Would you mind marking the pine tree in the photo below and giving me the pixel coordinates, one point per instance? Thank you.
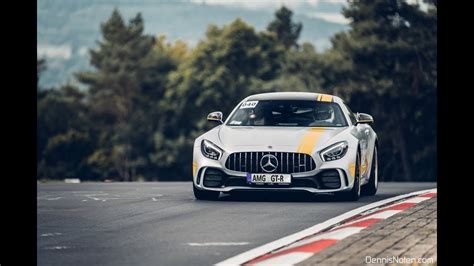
(122, 61)
(287, 32)
(387, 65)
(40, 68)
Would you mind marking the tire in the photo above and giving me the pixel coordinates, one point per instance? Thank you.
(354, 193)
(370, 188)
(204, 194)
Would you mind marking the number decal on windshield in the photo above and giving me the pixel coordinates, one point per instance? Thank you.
(249, 104)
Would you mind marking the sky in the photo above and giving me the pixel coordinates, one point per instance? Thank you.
(326, 10)
(335, 17)
(67, 29)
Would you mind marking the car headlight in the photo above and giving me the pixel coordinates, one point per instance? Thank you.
(334, 152)
(210, 150)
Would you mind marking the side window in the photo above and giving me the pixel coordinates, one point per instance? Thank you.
(351, 114)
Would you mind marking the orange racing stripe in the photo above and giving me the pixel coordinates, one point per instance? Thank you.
(310, 139)
(195, 166)
(352, 167)
(326, 98)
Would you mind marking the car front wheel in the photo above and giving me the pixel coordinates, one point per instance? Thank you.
(371, 187)
(204, 194)
(354, 193)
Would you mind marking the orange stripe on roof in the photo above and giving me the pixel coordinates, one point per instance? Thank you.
(326, 98)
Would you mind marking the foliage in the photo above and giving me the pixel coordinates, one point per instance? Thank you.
(74, 25)
(40, 67)
(130, 74)
(287, 32)
(147, 99)
(390, 72)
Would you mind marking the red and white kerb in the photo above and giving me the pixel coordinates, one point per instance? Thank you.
(310, 245)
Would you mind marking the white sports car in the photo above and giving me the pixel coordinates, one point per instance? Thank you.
(287, 141)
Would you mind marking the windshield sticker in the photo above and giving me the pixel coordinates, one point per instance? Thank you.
(235, 122)
(249, 104)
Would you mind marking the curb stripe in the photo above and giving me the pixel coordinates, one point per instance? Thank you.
(401, 206)
(316, 246)
(417, 199)
(335, 234)
(429, 195)
(341, 232)
(383, 214)
(313, 247)
(363, 223)
(287, 259)
(286, 250)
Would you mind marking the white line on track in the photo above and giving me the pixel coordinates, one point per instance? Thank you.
(56, 248)
(51, 234)
(264, 249)
(54, 198)
(156, 196)
(207, 244)
(87, 191)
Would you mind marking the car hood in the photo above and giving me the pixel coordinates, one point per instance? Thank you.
(285, 137)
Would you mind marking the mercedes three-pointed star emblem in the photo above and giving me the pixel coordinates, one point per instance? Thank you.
(269, 163)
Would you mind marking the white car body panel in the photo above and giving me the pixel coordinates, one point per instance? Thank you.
(233, 139)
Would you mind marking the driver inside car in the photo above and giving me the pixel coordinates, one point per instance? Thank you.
(323, 114)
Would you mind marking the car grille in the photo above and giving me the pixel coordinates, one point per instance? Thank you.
(288, 162)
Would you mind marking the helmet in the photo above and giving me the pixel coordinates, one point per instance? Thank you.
(324, 113)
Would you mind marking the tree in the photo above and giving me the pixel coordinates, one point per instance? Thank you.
(287, 32)
(219, 72)
(122, 62)
(300, 71)
(147, 98)
(40, 67)
(125, 92)
(63, 134)
(386, 65)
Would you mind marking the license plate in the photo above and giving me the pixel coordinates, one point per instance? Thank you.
(269, 178)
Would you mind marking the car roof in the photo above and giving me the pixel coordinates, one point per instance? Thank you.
(288, 96)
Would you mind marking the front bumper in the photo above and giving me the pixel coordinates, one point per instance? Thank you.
(322, 181)
(341, 171)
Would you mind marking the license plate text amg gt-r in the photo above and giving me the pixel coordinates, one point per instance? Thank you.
(287, 141)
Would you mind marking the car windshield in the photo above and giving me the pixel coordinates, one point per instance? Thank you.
(288, 113)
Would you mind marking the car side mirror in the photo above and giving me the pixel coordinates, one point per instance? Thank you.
(215, 116)
(364, 118)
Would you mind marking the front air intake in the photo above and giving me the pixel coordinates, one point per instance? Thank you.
(329, 179)
(213, 177)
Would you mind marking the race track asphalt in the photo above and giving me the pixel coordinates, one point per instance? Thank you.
(161, 223)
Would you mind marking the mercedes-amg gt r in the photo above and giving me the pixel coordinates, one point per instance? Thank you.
(287, 141)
